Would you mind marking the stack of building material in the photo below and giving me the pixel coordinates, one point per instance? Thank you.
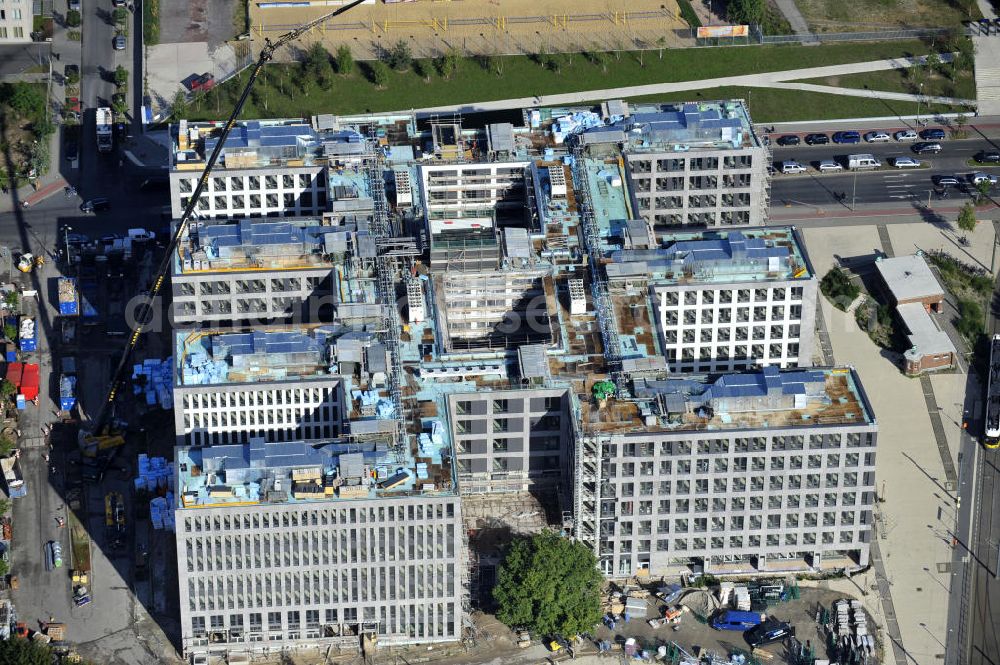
(199, 369)
(568, 125)
(725, 593)
(155, 378)
(155, 473)
(742, 598)
(161, 512)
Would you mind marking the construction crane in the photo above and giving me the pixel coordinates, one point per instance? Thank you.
(100, 429)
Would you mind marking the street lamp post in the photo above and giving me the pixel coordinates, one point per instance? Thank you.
(919, 96)
(69, 259)
(854, 191)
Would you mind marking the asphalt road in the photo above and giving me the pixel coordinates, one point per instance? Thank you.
(883, 186)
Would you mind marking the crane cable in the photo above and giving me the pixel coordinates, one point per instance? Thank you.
(145, 310)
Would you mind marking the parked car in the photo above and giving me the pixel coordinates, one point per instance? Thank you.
(906, 162)
(924, 147)
(791, 166)
(934, 134)
(74, 5)
(119, 42)
(117, 3)
(96, 205)
(905, 135)
(817, 139)
(987, 157)
(977, 178)
(877, 137)
(829, 165)
(946, 180)
(847, 137)
(769, 632)
(72, 150)
(788, 139)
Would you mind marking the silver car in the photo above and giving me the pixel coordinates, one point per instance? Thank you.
(906, 135)
(977, 178)
(906, 163)
(119, 43)
(829, 166)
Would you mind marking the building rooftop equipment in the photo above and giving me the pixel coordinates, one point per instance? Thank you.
(717, 256)
(252, 143)
(291, 472)
(765, 399)
(259, 244)
(909, 278)
(682, 127)
(275, 353)
(923, 333)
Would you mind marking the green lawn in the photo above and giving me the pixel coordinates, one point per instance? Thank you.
(776, 105)
(283, 91)
(894, 80)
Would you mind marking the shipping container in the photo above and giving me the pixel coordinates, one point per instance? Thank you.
(68, 299)
(26, 334)
(30, 381)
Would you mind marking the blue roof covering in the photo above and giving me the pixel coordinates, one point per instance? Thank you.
(760, 384)
(241, 344)
(260, 234)
(252, 134)
(735, 246)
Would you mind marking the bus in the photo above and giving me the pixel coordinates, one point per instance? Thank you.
(991, 428)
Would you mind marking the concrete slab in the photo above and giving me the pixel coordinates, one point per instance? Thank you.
(170, 64)
(917, 513)
(949, 391)
(197, 21)
(908, 238)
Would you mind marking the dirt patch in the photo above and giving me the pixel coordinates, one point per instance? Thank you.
(197, 21)
(872, 15)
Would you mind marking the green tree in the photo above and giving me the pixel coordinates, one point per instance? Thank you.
(661, 43)
(967, 218)
(73, 18)
(933, 62)
(27, 100)
(839, 288)
(7, 388)
(180, 105)
(424, 69)
(120, 15)
(983, 190)
(344, 60)
(10, 331)
(399, 57)
(4, 506)
(6, 448)
(379, 74)
(24, 652)
(550, 585)
(746, 11)
(317, 65)
(447, 64)
(121, 76)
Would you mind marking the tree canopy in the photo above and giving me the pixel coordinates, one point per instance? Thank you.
(746, 11)
(23, 652)
(967, 218)
(550, 585)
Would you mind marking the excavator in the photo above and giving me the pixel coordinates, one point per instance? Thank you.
(104, 431)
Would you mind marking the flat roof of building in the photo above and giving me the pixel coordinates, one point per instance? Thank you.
(219, 245)
(924, 335)
(766, 399)
(294, 472)
(909, 277)
(274, 353)
(714, 257)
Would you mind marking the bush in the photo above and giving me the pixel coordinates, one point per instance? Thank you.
(970, 319)
(839, 288)
(447, 64)
(151, 22)
(399, 57)
(687, 13)
(10, 331)
(73, 18)
(379, 74)
(344, 60)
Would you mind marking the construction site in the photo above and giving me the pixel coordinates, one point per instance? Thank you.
(482, 27)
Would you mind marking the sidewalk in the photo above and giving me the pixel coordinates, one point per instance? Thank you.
(762, 80)
(917, 212)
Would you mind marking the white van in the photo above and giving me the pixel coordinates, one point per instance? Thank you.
(862, 162)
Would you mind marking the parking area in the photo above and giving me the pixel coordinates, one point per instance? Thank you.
(695, 636)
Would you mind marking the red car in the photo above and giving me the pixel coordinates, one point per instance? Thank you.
(204, 82)
(73, 104)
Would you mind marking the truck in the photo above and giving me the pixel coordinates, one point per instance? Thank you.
(69, 300)
(27, 339)
(12, 474)
(104, 129)
(67, 384)
(863, 161)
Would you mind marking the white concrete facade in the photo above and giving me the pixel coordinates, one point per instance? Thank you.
(16, 21)
(727, 327)
(284, 191)
(463, 196)
(208, 415)
(319, 573)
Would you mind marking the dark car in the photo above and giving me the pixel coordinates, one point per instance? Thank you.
(96, 205)
(946, 180)
(788, 139)
(72, 150)
(921, 148)
(932, 134)
(986, 157)
(817, 139)
(768, 632)
(847, 137)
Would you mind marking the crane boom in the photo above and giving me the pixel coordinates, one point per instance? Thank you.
(266, 54)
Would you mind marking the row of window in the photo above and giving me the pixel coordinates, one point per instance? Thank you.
(756, 464)
(739, 444)
(665, 220)
(691, 163)
(774, 483)
(726, 296)
(242, 434)
(505, 405)
(302, 202)
(315, 516)
(196, 401)
(761, 333)
(423, 620)
(701, 545)
(17, 32)
(610, 527)
(536, 444)
(615, 508)
(710, 355)
(737, 200)
(225, 288)
(346, 584)
(242, 183)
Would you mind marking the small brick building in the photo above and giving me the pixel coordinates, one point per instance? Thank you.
(917, 296)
